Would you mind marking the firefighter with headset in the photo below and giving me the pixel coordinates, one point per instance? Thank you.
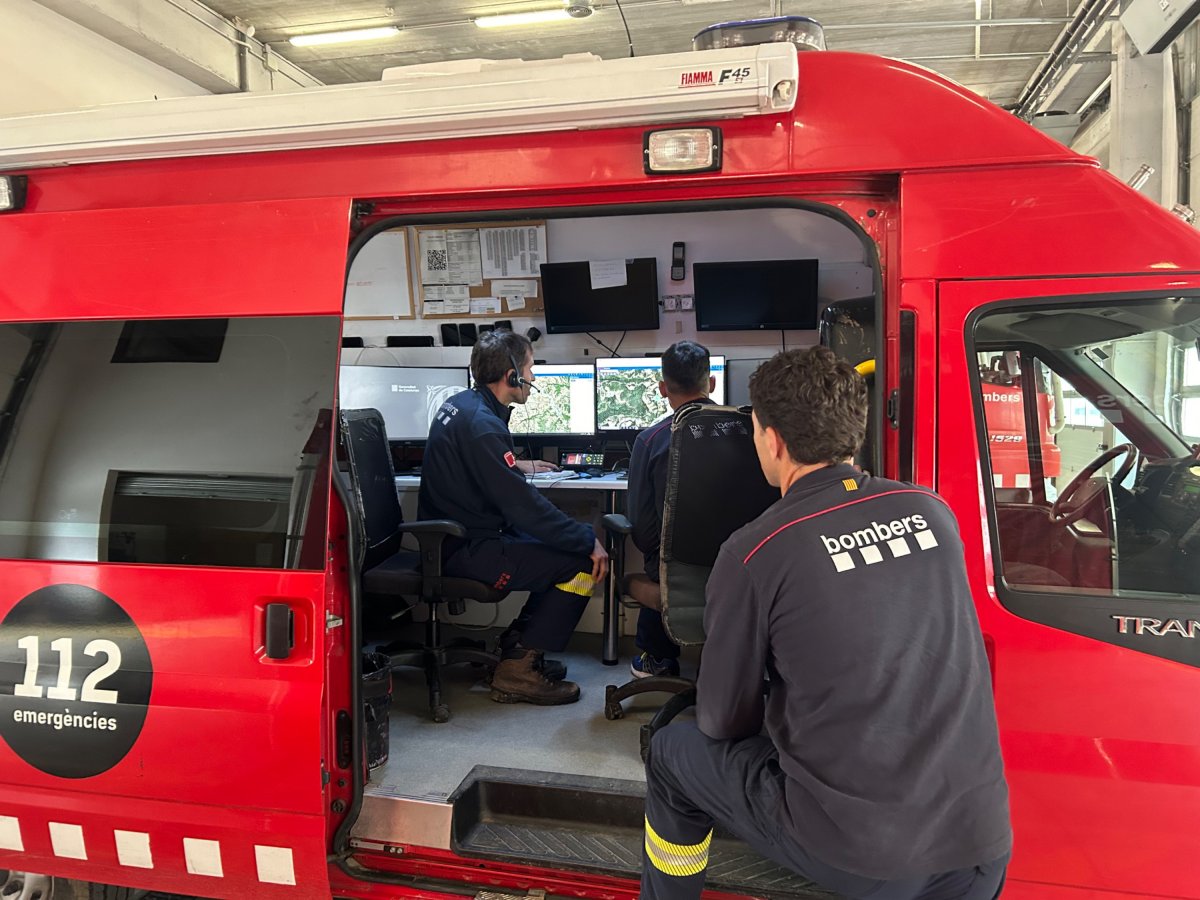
(844, 720)
(516, 539)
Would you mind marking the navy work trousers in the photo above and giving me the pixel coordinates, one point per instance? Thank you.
(559, 584)
(694, 782)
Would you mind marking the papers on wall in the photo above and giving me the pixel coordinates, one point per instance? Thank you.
(450, 256)
(446, 299)
(513, 292)
(484, 305)
(607, 273)
(513, 252)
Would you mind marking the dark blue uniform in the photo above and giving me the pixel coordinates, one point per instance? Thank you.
(647, 491)
(516, 539)
(879, 772)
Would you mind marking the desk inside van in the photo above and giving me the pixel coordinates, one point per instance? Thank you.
(615, 488)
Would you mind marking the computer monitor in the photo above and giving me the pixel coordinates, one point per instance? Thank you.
(755, 295)
(564, 402)
(627, 397)
(574, 304)
(737, 376)
(406, 396)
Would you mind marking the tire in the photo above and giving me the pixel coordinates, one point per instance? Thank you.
(29, 886)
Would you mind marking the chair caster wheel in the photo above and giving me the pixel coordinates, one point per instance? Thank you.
(441, 714)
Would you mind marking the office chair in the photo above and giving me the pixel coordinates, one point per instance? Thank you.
(390, 573)
(714, 487)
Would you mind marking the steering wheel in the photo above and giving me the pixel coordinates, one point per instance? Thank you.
(1065, 509)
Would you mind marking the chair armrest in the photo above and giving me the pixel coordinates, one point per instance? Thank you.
(618, 523)
(431, 534)
(446, 527)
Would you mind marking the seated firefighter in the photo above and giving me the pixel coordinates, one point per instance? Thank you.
(685, 379)
(516, 539)
(878, 773)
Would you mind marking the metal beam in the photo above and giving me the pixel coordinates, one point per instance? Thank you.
(187, 38)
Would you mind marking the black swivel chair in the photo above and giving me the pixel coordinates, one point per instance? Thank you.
(390, 574)
(714, 487)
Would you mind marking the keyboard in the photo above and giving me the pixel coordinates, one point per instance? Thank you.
(544, 477)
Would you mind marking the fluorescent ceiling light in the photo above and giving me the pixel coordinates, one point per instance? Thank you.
(342, 37)
(523, 18)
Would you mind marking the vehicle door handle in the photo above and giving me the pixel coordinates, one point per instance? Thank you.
(280, 635)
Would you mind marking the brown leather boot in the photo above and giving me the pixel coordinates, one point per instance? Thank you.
(521, 680)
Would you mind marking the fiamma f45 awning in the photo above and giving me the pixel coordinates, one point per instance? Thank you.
(524, 97)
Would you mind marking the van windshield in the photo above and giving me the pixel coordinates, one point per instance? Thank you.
(189, 442)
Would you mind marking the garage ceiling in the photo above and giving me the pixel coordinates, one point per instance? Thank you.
(991, 46)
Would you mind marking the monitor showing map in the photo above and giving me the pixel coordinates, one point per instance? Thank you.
(627, 395)
(564, 402)
(406, 396)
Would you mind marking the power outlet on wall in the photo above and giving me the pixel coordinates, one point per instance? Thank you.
(685, 302)
(670, 303)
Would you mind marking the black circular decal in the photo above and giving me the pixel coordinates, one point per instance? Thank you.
(75, 680)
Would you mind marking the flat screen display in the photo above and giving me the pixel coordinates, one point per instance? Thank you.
(406, 396)
(737, 375)
(564, 402)
(755, 295)
(627, 397)
(576, 302)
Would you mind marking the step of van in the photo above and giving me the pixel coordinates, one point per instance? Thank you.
(580, 823)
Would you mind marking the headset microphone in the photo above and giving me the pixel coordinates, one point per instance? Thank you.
(529, 384)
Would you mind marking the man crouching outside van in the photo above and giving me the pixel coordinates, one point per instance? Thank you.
(879, 772)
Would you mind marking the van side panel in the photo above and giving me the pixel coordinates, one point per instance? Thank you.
(184, 261)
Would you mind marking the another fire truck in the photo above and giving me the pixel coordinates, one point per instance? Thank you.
(165, 502)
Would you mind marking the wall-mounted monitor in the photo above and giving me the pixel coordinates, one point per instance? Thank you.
(564, 402)
(576, 303)
(737, 376)
(627, 397)
(756, 295)
(406, 396)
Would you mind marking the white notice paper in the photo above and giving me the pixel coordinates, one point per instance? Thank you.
(434, 308)
(481, 305)
(607, 273)
(454, 298)
(435, 267)
(462, 256)
(513, 292)
(513, 252)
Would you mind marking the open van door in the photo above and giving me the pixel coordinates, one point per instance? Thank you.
(168, 380)
(1085, 532)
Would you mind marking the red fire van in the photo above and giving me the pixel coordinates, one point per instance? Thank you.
(172, 277)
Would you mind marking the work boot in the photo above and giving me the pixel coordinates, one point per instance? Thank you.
(521, 680)
(553, 669)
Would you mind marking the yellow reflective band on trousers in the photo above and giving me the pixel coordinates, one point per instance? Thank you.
(676, 859)
(581, 584)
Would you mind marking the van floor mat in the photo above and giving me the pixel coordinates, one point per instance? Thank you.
(591, 824)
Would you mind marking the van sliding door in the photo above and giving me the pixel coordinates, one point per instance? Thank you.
(165, 444)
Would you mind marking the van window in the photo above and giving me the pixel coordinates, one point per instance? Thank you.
(219, 460)
(1095, 488)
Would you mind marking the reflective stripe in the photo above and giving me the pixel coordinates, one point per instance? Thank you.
(581, 584)
(676, 859)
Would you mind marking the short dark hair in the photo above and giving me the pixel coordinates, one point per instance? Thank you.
(495, 352)
(815, 400)
(685, 367)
